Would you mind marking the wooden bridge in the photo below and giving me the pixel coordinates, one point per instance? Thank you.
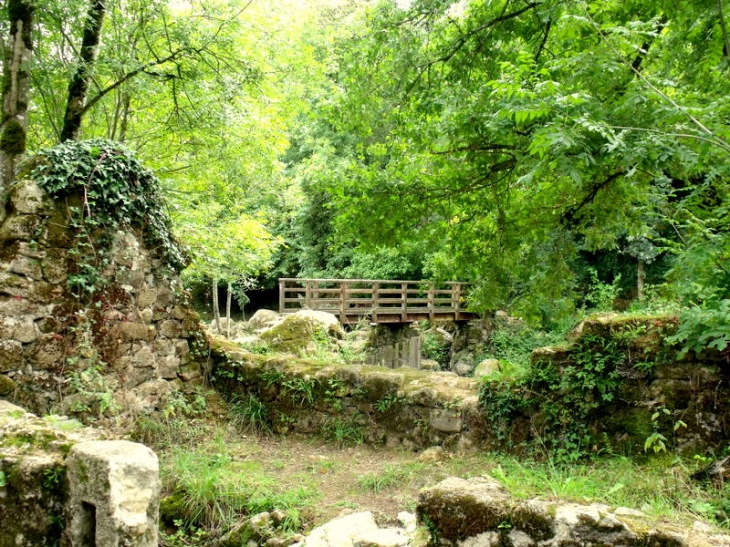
(377, 301)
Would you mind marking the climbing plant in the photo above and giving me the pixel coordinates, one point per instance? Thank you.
(562, 402)
(106, 188)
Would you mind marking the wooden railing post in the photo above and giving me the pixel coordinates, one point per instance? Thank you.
(404, 302)
(308, 295)
(431, 296)
(343, 297)
(456, 297)
(376, 303)
(282, 292)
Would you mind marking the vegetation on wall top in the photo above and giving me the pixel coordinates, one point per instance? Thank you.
(116, 191)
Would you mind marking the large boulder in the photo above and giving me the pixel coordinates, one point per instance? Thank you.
(263, 319)
(300, 332)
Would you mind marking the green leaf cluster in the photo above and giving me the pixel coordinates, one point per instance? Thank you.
(112, 189)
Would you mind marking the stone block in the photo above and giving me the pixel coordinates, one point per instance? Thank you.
(48, 351)
(135, 331)
(53, 267)
(146, 298)
(146, 315)
(114, 490)
(133, 278)
(168, 367)
(449, 421)
(20, 228)
(11, 355)
(165, 297)
(189, 372)
(171, 328)
(7, 385)
(27, 198)
(26, 331)
(29, 267)
(31, 250)
(182, 350)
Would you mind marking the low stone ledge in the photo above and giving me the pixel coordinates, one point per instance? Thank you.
(58, 477)
(479, 512)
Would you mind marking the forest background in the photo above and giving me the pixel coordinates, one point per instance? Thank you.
(550, 152)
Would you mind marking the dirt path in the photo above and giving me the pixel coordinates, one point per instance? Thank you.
(363, 478)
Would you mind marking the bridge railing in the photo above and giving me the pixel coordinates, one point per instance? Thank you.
(381, 301)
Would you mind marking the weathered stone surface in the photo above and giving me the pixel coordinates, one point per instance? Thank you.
(475, 512)
(11, 355)
(460, 508)
(462, 363)
(135, 331)
(53, 267)
(168, 366)
(146, 298)
(190, 372)
(487, 368)
(182, 351)
(19, 228)
(171, 328)
(165, 297)
(446, 420)
(383, 537)
(48, 352)
(29, 267)
(25, 331)
(342, 531)
(28, 199)
(263, 319)
(114, 494)
(7, 385)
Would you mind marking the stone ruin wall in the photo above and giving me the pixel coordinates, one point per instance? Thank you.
(122, 349)
(65, 484)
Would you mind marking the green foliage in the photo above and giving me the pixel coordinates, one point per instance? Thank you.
(3, 479)
(392, 476)
(301, 390)
(703, 328)
(386, 403)
(113, 190)
(343, 431)
(564, 402)
(512, 342)
(251, 414)
(601, 296)
(53, 477)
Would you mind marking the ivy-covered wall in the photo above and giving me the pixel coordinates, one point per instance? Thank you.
(93, 318)
(620, 385)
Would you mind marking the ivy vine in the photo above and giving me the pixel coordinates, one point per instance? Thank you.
(108, 189)
(562, 406)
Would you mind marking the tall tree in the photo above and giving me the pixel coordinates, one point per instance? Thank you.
(78, 88)
(16, 87)
(513, 135)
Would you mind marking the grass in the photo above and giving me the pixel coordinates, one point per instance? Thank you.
(213, 476)
(392, 476)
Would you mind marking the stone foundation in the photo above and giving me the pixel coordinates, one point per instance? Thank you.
(62, 484)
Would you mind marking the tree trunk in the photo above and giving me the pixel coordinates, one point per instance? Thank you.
(216, 309)
(640, 280)
(229, 295)
(78, 89)
(16, 88)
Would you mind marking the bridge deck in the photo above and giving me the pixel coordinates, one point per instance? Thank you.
(377, 301)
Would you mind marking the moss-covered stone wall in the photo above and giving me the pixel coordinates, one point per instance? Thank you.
(115, 340)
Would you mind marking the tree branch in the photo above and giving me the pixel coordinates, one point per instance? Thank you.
(129, 75)
(572, 212)
(462, 40)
